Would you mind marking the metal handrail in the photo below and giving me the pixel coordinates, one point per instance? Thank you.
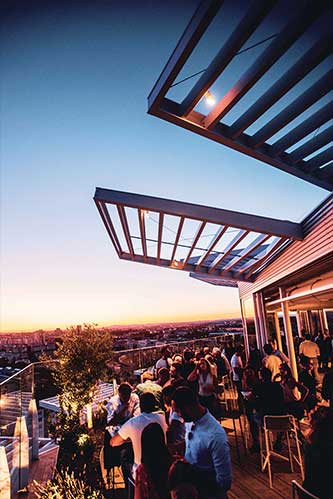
(16, 374)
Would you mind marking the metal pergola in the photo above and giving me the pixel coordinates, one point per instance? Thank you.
(297, 137)
(215, 245)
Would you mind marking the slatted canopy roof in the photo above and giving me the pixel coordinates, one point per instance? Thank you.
(215, 245)
(270, 69)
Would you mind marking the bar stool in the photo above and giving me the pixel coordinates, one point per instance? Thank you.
(109, 474)
(279, 424)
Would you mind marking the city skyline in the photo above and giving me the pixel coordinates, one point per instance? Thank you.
(75, 82)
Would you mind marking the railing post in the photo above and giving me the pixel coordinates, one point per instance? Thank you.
(21, 451)
(33, 413)
(4, 475)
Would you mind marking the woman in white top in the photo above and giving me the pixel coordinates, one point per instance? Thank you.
(207, 385)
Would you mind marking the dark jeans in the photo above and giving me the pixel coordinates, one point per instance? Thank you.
(121, 455)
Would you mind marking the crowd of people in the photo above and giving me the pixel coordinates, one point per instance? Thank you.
(166, 432)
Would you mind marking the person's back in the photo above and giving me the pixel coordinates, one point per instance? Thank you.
(268, 397)
(133, 428)
(270, 361)
(309, 348)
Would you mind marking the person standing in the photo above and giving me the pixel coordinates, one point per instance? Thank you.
(311, 350)
(165, 360)
(206, 445)
(270, 361)
(133, 428)
(237, 368)
(120, 408)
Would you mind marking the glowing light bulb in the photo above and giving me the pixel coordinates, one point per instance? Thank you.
(146, 213)
(175, 264)
(210, 99)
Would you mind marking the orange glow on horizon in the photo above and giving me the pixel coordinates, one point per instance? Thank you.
(135, 320)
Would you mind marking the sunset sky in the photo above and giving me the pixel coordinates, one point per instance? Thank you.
(75, 81)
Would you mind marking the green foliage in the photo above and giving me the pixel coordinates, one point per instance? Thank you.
(66, 486)
(82, 362)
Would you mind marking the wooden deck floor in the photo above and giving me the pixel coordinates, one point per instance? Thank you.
(41, 470)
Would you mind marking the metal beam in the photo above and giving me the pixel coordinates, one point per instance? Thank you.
(312, 145)
(192, 34)
(319, 160)
(272, 249)
(195, 240)
(258, 241)
(259, 256)
(310, 60)
(294, 29)
(188, 268)
(244, 29)
(205, 213)
(298, 106)
(123, 220)
(105, 216)
(179, 230)
(141, 217)
(227, 250)
(323, 115)
(215, 281)
(216, 238)
(159, 237)
(326, 172)
(265, 153)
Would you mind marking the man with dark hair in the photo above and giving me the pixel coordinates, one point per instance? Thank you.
(270, 361)
(206, 445)
(134, 427)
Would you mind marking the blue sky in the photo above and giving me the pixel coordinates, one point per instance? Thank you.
(75, 79)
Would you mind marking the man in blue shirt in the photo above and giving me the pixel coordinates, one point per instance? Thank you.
(206, 445)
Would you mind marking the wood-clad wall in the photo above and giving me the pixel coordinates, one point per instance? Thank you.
(317, 242)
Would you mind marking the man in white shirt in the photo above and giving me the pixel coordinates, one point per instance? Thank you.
(311, 350)
(122, 407)
(134, 427)
(272, 362)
